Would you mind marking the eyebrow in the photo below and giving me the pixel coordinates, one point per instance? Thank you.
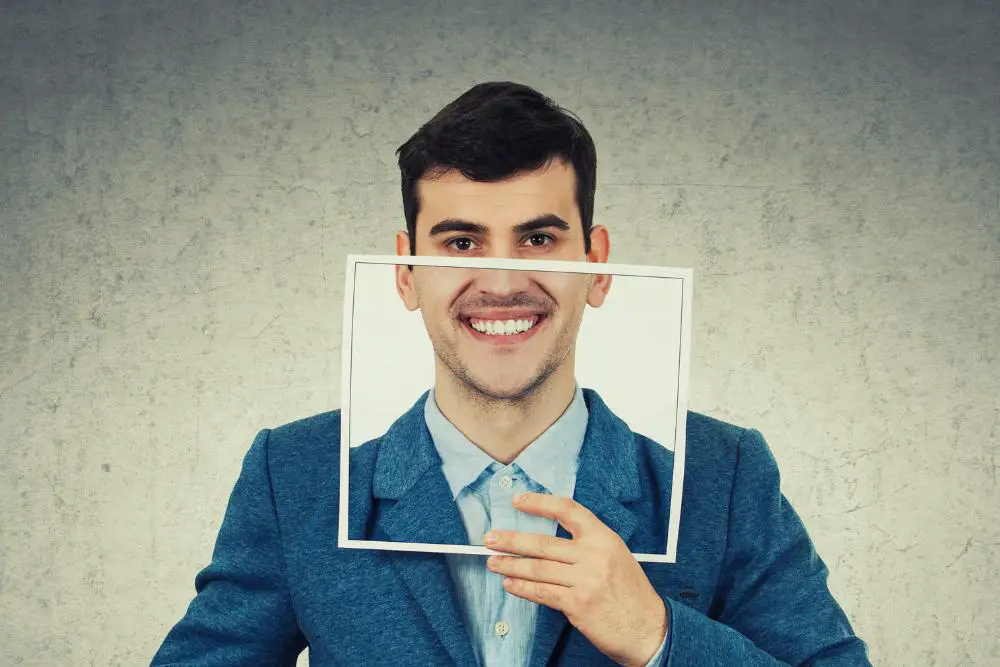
(547, 221)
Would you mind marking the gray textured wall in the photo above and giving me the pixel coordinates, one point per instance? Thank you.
(180, 182)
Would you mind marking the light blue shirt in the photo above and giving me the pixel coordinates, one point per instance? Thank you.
(501, 625)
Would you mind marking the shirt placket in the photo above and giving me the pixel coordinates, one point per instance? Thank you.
(503, 486)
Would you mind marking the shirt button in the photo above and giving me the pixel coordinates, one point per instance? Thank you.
(502, 628)
(505, 482)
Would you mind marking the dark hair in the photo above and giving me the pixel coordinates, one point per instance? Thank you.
(494, 131)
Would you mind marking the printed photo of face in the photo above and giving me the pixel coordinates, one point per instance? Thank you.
(499, 328)
(502, 334)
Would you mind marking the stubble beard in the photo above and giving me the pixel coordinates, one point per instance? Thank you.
(478, 390)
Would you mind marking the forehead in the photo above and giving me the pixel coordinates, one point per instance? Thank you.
(551, 189)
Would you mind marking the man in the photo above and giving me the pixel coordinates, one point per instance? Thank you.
(504, 172)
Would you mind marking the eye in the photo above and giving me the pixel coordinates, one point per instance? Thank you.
(538, 240)
(461, 244)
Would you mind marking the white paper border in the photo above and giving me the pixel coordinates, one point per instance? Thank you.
(680, 430)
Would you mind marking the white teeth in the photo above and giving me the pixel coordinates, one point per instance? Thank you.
(502, 327)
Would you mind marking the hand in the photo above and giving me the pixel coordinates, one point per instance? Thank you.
(593, 579)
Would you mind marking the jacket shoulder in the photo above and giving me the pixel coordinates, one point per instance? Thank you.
(306, 453)
(321, 424)
(716, 440)
(712, 443)
(701, 427)
(303, 457)
(712, 455)
(733, 446)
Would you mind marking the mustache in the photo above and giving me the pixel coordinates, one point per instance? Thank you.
(519, 300)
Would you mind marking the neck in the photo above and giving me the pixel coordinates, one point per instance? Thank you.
(503, 428)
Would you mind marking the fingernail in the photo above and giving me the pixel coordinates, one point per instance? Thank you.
(520, 498)
(490, 538)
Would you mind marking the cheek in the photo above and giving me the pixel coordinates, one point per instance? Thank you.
(570, 291)
(434, 300)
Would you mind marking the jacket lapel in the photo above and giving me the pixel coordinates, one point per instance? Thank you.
(607, 479)
(414, 504)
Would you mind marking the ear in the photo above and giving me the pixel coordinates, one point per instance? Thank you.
(600, 250)
(404, 274)
(402, 243)
(600, 244)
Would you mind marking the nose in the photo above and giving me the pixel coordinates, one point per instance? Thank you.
(502, 282)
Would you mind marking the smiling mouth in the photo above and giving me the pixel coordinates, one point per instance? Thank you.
(503, 329)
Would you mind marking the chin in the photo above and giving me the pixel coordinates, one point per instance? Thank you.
(506, 388)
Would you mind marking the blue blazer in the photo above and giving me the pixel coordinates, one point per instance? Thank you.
(747, 589)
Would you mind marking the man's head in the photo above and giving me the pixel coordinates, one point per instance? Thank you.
(488, 134)
(501, 172)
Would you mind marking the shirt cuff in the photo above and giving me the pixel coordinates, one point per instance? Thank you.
(658, 656)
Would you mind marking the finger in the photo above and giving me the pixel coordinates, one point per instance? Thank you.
(534, 545)
(571, 515)
(532, 569)
(549, 595)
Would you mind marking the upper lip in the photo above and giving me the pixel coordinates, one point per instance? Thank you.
(503, 315)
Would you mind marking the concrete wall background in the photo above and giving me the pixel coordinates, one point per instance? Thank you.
(180, 182)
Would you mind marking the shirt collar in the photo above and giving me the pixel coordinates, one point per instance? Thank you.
(551, 460)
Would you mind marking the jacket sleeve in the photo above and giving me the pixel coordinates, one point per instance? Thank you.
(242, 612)
(773, 605)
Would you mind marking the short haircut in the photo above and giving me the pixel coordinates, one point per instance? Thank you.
(492, 132)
